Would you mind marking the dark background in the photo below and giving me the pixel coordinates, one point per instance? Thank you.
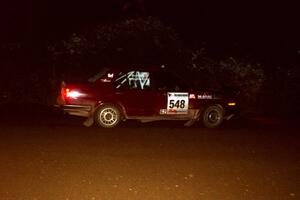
(263, 30)
(261, 33)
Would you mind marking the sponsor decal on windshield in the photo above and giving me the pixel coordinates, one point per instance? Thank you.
(135, 79)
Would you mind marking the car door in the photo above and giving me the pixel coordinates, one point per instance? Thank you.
(172, 97)
(134, 92)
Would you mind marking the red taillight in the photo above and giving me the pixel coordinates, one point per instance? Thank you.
(68, 93)
(65, 93)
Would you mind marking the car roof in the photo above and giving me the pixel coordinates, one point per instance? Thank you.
(138, 68)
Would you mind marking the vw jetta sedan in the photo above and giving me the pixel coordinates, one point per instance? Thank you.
(115, 95)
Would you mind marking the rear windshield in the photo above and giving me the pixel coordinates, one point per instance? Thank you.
(98, 75)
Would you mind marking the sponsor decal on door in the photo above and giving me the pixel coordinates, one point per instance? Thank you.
(178, 103)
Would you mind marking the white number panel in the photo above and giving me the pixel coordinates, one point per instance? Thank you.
(178, 103)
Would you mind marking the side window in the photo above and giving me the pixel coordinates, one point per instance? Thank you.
(166, 82)
(133, 80)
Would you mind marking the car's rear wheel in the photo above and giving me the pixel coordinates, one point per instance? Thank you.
(107, 116)
(212, 116)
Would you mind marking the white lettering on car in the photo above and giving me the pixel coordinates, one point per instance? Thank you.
(204, 96)
(135, 79)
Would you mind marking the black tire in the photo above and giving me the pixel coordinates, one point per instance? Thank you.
(212, 116)
(107, 116)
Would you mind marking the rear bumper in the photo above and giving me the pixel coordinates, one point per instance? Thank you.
(78, 110)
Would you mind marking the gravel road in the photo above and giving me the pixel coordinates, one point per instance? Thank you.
(50, 156)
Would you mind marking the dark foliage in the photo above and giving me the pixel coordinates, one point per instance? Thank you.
(139, 41)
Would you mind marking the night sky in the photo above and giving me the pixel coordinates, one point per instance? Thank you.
(245, 28)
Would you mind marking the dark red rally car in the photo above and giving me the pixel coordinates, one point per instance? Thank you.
(114, 95)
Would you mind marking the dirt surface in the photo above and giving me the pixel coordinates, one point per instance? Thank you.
(46, 155)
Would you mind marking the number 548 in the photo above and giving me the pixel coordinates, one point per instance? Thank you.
(177, 104)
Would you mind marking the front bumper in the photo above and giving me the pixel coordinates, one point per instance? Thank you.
(231, 111)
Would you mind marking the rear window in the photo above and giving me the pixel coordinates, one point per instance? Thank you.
(98, 75)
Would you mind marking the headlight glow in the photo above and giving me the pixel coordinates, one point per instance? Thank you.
(231, 104)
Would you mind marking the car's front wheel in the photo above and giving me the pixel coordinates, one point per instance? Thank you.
(212, 116)
(107, 116)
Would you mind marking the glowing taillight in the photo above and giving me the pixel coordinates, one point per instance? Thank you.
(73, 94)
(64, 92)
